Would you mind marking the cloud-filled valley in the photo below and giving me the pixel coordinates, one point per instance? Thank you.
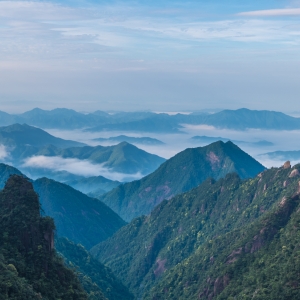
(75, 166)
(174, 143)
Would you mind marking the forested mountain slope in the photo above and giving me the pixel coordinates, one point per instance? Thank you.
(78, 217)
(180, 173)
(146, 251)
(258, 261)
(30, 267)
(93, 275)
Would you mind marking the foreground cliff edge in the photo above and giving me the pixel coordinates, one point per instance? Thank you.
(29, 265)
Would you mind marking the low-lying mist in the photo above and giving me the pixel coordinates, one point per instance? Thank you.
(75, 166)
(174, 143)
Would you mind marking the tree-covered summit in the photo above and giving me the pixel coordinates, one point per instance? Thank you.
(179, 174)
(30, 267)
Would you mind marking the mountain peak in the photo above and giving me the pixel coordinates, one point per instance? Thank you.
(180, 173)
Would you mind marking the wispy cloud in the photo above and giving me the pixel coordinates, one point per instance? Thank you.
(156, 53)
(272, 12)
(44, 30)
(3, 152)
(76, 166)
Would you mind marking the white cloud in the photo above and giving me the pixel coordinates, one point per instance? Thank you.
(3, 152)
(32, 30)
(272, 12)
(76, 166)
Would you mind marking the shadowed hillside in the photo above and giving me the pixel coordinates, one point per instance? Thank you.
(30, 267)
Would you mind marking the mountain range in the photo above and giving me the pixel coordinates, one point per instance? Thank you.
(131, 140)
(240, 119)
(210, 139)
(23, 142)
(93, 186)
(224, 239)
(123, 157)
(209, 223)
(181, 173)
(78, 217)
(34, 265)
(283, 155)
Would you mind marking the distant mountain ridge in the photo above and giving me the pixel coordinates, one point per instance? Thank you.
(283, 155)
(21, 142)
(123, 157)
(131, 140)
(93, 186)
(211, 139)
(182, 172)
(26, 135)
(240, 119)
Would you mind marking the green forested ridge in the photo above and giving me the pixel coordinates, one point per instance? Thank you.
(258, 261)
(176, 239)
(78, 217)
(30, 267)
(181, 173)
(93, 275)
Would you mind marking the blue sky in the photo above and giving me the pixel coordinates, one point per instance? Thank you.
(157, 55)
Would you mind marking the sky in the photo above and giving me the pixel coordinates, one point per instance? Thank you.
(150, 55)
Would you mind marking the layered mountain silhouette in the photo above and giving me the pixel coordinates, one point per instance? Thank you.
(224, 239)
(18, 135)
(240, 119)
(93, 186)
(123, 158)
(210, 139)
(22, 142)
(78, 217)
(131, 140)
(181, 173)
(283, 155)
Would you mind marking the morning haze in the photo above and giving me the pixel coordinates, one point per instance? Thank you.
(136, 56)
(149, 150)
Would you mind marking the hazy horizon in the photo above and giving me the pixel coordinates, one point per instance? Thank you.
(138, 55)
